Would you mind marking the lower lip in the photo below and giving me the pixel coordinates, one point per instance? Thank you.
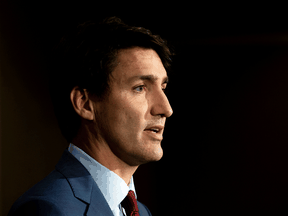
(157, 136)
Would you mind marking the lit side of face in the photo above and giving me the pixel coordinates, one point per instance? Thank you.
(131, 119)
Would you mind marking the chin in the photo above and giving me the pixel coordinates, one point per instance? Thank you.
(152, 154)
(143, 152)
(158, 154)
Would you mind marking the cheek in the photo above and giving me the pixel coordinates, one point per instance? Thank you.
(127, 115)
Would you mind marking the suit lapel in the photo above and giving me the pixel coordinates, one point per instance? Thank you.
(83, 185)
(143, 211)
(98, 206)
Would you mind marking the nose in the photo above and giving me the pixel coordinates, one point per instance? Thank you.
(161, 105)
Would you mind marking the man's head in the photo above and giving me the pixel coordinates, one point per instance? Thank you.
(110, 84)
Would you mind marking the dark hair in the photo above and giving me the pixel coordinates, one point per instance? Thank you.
(86, 56)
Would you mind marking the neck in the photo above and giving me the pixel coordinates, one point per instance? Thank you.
(103, 154)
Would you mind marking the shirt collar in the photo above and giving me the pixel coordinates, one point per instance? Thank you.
(110, 184)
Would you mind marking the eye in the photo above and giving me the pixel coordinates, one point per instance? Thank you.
(164, 88)
(139, 88)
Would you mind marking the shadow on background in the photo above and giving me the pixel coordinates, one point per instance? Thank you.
(225, 147)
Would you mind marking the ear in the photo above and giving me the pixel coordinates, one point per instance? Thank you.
(81, 103)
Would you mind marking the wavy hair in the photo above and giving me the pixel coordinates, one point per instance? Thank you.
(86, 56)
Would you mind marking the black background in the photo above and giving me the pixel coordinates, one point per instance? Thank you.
(225, 147)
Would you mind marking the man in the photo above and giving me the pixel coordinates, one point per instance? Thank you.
(108, 93)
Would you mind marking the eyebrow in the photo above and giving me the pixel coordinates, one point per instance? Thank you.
(151, 78)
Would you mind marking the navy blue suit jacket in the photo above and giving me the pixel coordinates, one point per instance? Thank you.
(68, 190)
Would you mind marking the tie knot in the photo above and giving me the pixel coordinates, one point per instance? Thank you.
(130, 204)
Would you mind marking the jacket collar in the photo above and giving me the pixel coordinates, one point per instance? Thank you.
(83, 185)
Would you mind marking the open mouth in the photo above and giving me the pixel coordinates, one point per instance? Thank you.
(154, 130)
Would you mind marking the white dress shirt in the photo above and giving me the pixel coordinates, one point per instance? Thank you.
(113, 187)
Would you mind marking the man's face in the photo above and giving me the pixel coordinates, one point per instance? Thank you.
(131, 119)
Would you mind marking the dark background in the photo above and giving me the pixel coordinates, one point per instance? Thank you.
(225, 147)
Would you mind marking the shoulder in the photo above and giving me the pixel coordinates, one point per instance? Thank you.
(37, 206)
(53, 187)
(143, 210)
(51, 196)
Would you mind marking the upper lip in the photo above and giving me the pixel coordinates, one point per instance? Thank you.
(157, 127)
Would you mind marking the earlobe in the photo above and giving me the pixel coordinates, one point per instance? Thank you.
(81, 103)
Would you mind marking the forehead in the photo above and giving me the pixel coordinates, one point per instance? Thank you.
(138, 62)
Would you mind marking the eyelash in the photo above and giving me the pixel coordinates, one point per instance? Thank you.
(144, 87)
(141, 86)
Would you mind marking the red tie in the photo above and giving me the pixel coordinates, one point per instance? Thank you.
(130, 204)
